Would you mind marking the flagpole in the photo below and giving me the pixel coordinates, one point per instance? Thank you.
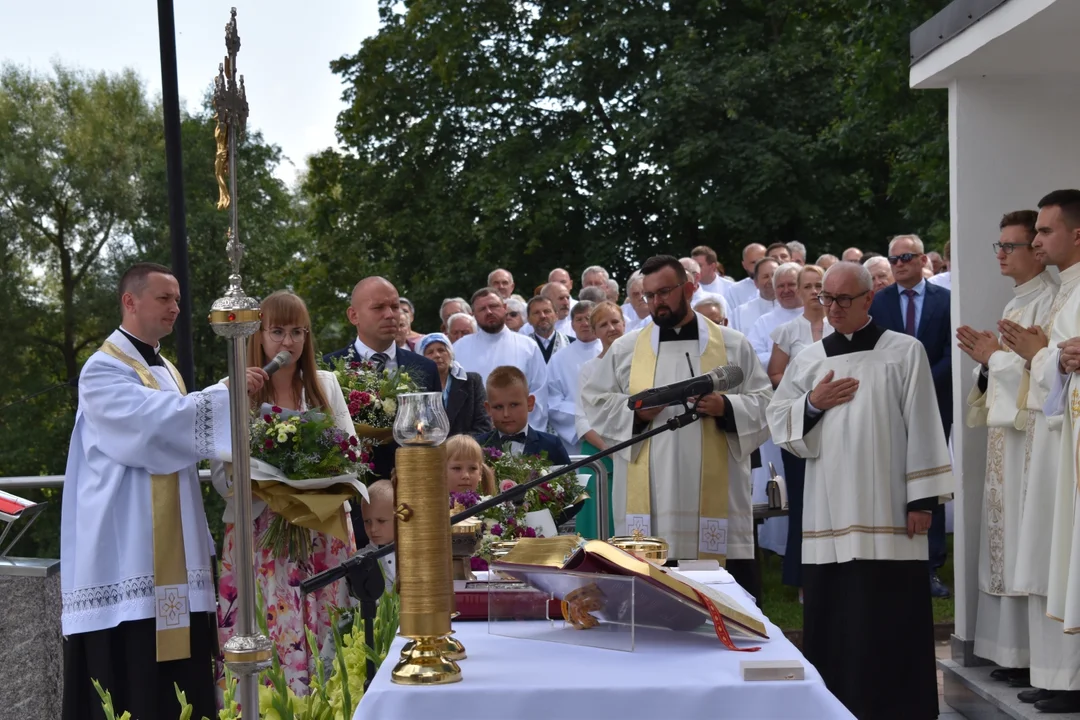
(235, 317)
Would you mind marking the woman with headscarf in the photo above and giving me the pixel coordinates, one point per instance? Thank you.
(463, 392)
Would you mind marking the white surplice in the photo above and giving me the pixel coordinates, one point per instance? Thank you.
(719, 286)
(745, 315)
(124, 433)
(1001, 624)
(1055, 656)
(564, 372)
(481, 352)
(760, 333)
(866, 459)
(676, 457)
(741, 292)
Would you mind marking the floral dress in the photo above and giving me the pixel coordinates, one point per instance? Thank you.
(288, 610)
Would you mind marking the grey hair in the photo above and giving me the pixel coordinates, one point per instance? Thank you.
(786, 268)
(592, 294)
(797, 247)
(637, 277)
(913, 238)
(447, 301)
(594, 269)
(876, 260)
(711, 302)
(613, 284)
(517, 306)
(861, 274)
(826, 257)
(690, 265)
(492, 274)
(471, 320)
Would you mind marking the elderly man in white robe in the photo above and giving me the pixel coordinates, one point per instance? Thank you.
(1001, 623)
(743, 317)
(137, 589)
(689, 486)
(1049, 496)
(564, 372)
(859, 405)
(635, 311)
(495, 344)
(785, 282)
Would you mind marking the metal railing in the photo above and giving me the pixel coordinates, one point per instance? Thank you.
(32, 482)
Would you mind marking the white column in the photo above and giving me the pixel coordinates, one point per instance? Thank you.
(1011, 141)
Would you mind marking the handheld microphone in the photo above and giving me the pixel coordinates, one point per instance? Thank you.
(280, 360)
(726, 377)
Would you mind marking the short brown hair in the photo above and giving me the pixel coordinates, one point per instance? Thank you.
(484, 292)
(1024, 218)
(134, 278)
(538, 299)
(708, 252)
(658, 262)
(777, 245)
(506, 376)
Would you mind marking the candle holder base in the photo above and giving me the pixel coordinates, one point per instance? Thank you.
(425, 665)
(451, 648)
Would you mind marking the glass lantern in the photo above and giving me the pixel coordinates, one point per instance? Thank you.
(421, 419)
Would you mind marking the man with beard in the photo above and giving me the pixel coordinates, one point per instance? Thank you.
(690, 486)
(495, 345)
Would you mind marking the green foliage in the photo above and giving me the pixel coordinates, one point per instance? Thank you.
(533, 135)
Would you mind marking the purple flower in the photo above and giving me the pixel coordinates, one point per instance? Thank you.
(493, 452)
(529, 532)
(497, 529)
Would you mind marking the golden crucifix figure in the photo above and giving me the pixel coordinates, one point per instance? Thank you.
(221, 163)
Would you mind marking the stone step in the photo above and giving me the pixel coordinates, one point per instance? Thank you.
(970, 692)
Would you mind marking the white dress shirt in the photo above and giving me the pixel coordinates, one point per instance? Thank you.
(365, 353)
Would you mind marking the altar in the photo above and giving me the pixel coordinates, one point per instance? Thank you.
(685, 675)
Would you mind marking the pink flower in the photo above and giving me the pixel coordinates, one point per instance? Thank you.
(365, 398)
(529, 532)
(275, 409)
(352, 456)
(353, 441)
(506, 485)
(268, 443)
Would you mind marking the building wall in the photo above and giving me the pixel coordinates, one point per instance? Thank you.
(1011, 141)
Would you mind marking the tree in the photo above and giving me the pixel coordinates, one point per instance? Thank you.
(531, 135)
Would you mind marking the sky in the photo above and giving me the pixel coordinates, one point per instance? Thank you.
(286, 47)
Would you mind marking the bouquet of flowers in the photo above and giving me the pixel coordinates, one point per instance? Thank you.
(372, 395)
(305, 469)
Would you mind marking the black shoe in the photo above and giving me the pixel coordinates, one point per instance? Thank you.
(938, 589)
(1062, 702)
(1006, 674)
(1035, 695)
(1019, 681)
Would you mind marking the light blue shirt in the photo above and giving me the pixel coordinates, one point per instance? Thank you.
(920, 298)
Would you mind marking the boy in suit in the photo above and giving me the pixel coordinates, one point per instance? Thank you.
(509, 404)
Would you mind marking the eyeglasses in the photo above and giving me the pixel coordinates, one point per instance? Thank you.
(277, 334)
(660, 294)
(844, 301)
(1008, 248)
(905, 257)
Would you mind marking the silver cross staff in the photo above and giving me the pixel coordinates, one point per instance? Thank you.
(236, 316)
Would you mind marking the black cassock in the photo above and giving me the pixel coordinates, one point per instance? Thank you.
(123, 660)
(869, 624)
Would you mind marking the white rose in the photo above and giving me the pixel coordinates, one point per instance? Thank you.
(282, 437)
(389, 407)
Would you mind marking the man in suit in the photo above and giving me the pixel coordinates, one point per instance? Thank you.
(374, 311)
(509, 404)
(918, 308)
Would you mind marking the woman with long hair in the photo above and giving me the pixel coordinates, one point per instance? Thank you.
(298, 386)
(789, 340)
(606, 320)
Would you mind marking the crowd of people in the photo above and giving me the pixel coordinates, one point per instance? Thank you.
(846, 392)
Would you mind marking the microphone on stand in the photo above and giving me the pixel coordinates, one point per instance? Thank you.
(280, 360)
(726, 377)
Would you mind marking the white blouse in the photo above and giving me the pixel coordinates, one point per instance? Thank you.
(795, 336)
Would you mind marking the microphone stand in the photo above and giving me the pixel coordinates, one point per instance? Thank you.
(360, 569)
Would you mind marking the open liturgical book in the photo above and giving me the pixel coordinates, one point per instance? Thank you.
(669, 601)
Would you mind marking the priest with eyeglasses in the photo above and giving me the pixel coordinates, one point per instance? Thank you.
(690, 486)
(859, 405)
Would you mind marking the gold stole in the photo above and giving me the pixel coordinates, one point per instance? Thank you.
(713, 495)
(173, 613)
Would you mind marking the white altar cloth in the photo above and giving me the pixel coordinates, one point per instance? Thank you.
(669, 675)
